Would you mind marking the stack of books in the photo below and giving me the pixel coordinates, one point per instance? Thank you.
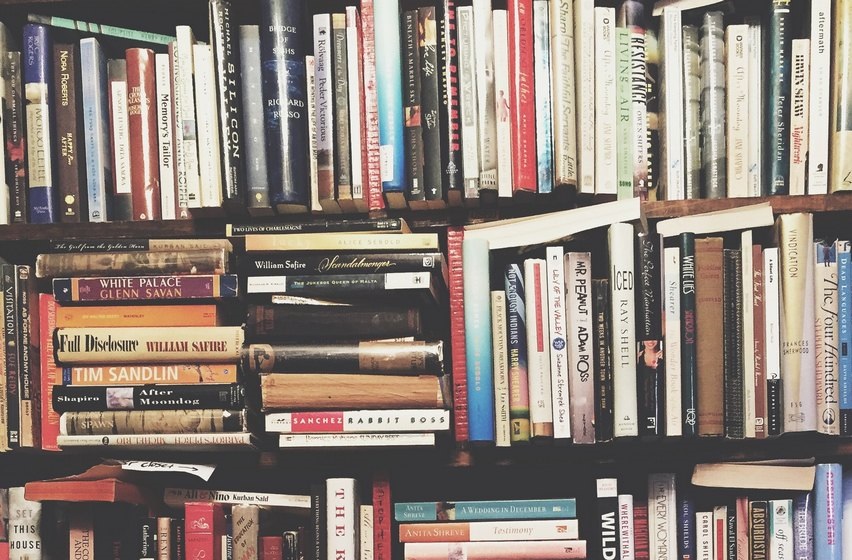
(339, 328)
(136, 367)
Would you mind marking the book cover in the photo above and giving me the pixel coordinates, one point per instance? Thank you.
(519, 396)
(204, 526)
(538, 354)
(563, 93)
(70, 166)
(342, 506)
(430, 91)
(580, 337)
(623, 313)
(606, 110)
(25, 539)
(130, 422)
(14, 128)
(99, 178)
(800, 80)
(122, 198)
(713, 117)
(486, 102)
(819, 95)
(142, 131)
(709, 343)
(358, 421)
(779, 45)
(257, 182)
(493, 510)
(543, 105)
(522, 95)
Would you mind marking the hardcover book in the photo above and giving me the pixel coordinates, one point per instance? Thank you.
(257, 180)
(70, 168)
(14, 128)
(122, 198)
(201, 261)
(486, 510)
(141, 288)
(175, 421)
(99, 179)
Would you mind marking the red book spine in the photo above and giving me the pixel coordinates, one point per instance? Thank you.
(204, 526)
(368, 172)
(760, 411)
(271, 548)
(455, 235)
(4, 551)
(142, 125)
(373, 184)
(522, 95)
(382, 515)
(641, 550)
(50, 374)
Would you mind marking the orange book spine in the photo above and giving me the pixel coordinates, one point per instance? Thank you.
(142, 374)
(138, 316)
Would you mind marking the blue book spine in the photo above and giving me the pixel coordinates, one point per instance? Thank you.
(779, 49)
(93, 67)
(477, 334)
(255, 143)
(844, 312)
(828, 521)
(389, 92)
(38, 86)
(543, 117)
(486, 510)
(686, 529)
(803, 526)
(285, 102)
(66, 376)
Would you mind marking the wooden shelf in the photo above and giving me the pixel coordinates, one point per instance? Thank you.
(840, 202)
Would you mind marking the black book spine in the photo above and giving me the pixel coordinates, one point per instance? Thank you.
(282, 54)
(733, 335)
(11, 333)
(316, 550)
(413, 133)
(429, 104)
(226, 54)
(608, 519)
(292, 545)
(450, 124)
(318, 262)
(779, 47)
(69, 131)
(146, 538)
(14, 123)
(257, 179)
(177, 539)
(731, 529)
(650, 368)
(688, 355)
(758, 530)
(388, 225)
(270, 323)
(343, 157)
(604, 419)
(147, 397)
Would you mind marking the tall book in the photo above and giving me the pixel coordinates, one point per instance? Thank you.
(652, 110)
(623, 306)
(12, 341)
(522, 95)
(372, 158)
(756, 97)
(99, 179)
(41, 135)
(626, 547)
(759, 345)
(803, 522)
(541, 404)
(343, 152)
(557, 340)
(502, 436)
(165, 146)
(477, 320)
(674, 342)
(607, 517)
(825, 338)
(29, 355)
(662, 497)
(342, 506)
(357, 129)
(672, 104)
(584, 72)
(382, 517)
(519, 397)
(282, 55)
(257, 181)
(749, 358)
(142, 129)
(311, 87)
(828, 511)
(650, 365)
(485, 93)
(5, 181)
(563, 94)
(772, 340)
(430, 90)
(14, 130)
(122, 200)
(800, 54)
(207, 126)
(732, 333)
(412, 107)
(543, 104)
(185, 127)
(580, 337)
(70, 165)
(455, 235)
(737, 90)
(713, 152)
(709, 340)
(840, 125)
(467, 104)
(819, 96)
(779, 45)
(603, 360)
(606, 178)
(451, 149)
(634, 16)
(691, 113)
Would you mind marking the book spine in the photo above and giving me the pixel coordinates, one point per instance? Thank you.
(134, 288)
(819, 94)
(122, 199)
(203, 528)
(467, 103)
(252, 106)
(686, 529)
(503, 129)
(430, 102)
(146, 538)
(713, 151)
(343, 159)
(96, 28)
(652, 96)
(825, 339)
(501, 369)
(738, 69)
(607, 518)
(357, 421)
(451, 146)
(315, 549)
(342, 505)
(475, 531)
(649, 335)
(543, 113)
(557, 341)
(704, 533)
(772, 332)
(37, 74)
(226, 53)
(245, 520)
(12, 337)
(844, 343)
(688, 350)
(803, 525)
(563, 93)
(541, 404)
(483, 30)
(341, 263)
(781, 528)
(276, 323)
(519, 396)
(96, 125)
(674, 342)
(142, 129)
(148, 345)
(148, 441)
(357, 131)
(626, 549)
(146, 397)
(389, 94)
(186, 126)
(621, 277)
(606, 168)
(584, 58)
(29, 371)
(365, 532)
(165, 145)
(497, 550)
(799, 111)
(477, 320)
(207, 126)
(756, 96)
(200, 261)
(732, 326)
(644, 94)
(343, 283)
(709, 329)
(759, 346)
(488, 510)
(521, 95)
(692, 113)
(25, 538)
(382, 518)
(661, 496)
(5, 400)
(749, 369)
(672, 105)
(164, 538)
(14, 126)
(604, 418)
(69, 120)
(457, 333)
(182, 374)
(372, 158)
(580, 336)
(640, 531)
(412, 107)
(271, 548)
(283, 71)
(624, 132)
(778, 96)
(50, 375)
(759, 536)
(331, 241)
(189, 315)
(311, 86)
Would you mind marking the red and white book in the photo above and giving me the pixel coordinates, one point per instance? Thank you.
(578, 294)
(476, 531)
(204, 527)
(342, 511)
(358, 421)
(142, 130)
(507, 550)
(720, 533)
(382, 516)
(455, 235)
(558, 342)
(538, 353)
(51, 374)
(522, 96)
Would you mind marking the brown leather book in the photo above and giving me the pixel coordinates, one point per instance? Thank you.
(142, 126)
(710, 343)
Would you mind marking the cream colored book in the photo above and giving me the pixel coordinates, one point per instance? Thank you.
(499, 348)
(341, 242)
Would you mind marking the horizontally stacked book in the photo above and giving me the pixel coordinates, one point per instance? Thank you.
(342, 329)
(145, 362)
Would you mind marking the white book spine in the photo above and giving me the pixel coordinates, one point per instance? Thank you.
(483, 32)
(772, 314)
(209, 162)
(737, 68)
(356, 108)
(467, 101)
(501, 103)
(826, 339)
(578, 287)
(584, 55)
(187, 153)
(324, 102)
(120, 132)
(342, 518)
(358, 421)
(755, 108)
(625, 527)
(747, 274)
(606, 178)
(177, 498)
(164, 136)
(704, 535)
(298, 441)
(820, 88)
(799, 114)
(671, 98)
(781, 530)
(152, 441)
(25, 542)
(500, 360)
(662, 516)
(671, 335)
(538, 355)
(365, 532)
(311, 83)
(623, 308)
(563, 102)
(558, 337)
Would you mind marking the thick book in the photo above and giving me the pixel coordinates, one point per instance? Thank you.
(184, 315)
(342, 504)
(506, 550)
(278, 323)
(331, 263)
(165, 147)
(662, 498)
(147, 397)
(379, 357)
(141, 374)
(455, 236)
(475, 531)
(828, 511)
(779, 46)
(147, 345)
(543, 102)
(493, 510)
(142, 130)
(326, 117)
(204, 526)
(178, 497)
(358, 421)
(14, 129)
(122, 199)
(141, 288)
(623, 305)
(645, 95)
(579, 298)
(172, 421)
(709, 339)
(650, 363)
(713, 117)
(199, 261)
(245, 523)
(519, 396)
(257, 181)
(603, 384)
(93, 65)
(70, 162)
(538, 353)
(228, 441)
(24, 523)
(477, 324)
(414, 119)
(341, 392)
(521, 95)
